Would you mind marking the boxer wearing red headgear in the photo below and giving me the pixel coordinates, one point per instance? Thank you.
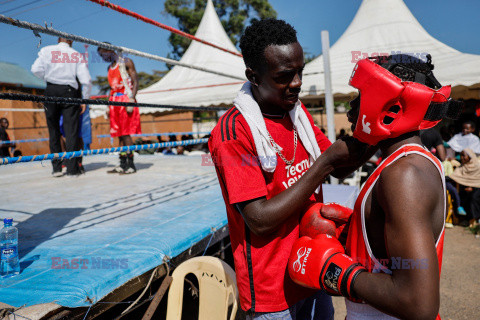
(391, 265)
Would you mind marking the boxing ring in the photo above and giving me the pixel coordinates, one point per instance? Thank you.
(82, 238)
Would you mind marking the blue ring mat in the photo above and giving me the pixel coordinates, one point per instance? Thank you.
(81, 238)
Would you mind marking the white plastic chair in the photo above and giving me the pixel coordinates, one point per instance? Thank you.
(217, 288)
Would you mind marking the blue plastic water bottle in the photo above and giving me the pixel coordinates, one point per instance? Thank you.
(9, 265)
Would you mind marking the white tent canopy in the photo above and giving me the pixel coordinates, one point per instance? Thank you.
(189, 87)
(386, 27)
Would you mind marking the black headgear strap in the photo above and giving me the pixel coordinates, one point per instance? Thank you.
(399, 65)
(450, 109)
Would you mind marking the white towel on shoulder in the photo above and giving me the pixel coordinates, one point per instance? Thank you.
(250, 110)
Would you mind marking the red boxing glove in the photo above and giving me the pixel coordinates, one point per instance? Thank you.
(338, 213)
(328, 218)
(321, 263)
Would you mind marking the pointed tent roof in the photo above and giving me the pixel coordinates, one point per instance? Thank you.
(189, 87)
(386, 26)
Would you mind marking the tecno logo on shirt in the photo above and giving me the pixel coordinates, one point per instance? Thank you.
(295, 172)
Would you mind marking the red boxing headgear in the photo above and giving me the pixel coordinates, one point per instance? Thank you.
(390, 107)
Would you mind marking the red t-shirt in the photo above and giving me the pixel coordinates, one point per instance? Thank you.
(260, 262)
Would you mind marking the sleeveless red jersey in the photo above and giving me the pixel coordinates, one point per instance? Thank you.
(358, 246)
(115, 80)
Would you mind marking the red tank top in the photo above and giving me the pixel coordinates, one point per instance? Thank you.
(115, 80)
(358, 246)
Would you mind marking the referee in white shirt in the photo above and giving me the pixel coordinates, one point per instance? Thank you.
(60, 66)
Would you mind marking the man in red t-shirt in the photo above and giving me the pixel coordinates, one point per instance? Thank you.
(264, 207)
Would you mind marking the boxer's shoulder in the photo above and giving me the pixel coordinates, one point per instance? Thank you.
(413, 178)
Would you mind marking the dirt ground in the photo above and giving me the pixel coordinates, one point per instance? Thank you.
(460, 281)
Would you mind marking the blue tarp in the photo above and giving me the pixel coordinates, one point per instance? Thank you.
(75, 254)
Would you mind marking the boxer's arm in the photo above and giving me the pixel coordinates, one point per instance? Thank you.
(441, 152)
(38, 67)
(408, 197)
(265, 216)
(132, 72)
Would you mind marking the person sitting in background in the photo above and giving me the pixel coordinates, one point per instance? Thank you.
(160, 140)
(172, 137)
(180, 150)
(468, 177)
(169, 150)
(139, 142)
(342, 133)
(445, 133)
(452, 190)
(465, 139)
(433, 141)
(187, 137)
(5, 144)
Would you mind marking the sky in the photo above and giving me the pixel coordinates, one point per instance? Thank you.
(455, 23)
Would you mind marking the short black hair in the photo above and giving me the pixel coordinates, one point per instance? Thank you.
(100, 48)
(410, 68)
(261, 34)
(471, 123)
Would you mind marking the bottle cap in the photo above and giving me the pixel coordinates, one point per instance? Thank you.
(8, 220)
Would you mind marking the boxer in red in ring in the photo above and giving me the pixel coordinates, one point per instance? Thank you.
(124, 121)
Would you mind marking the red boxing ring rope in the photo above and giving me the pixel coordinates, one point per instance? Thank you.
(158, 24)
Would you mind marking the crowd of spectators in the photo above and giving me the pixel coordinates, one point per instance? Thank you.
(459, 154)
(201, 148)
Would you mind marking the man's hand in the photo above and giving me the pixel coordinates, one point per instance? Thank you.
(130, 109)
(346, 151)
(265, 216)
(348, 154)
(321, 263)
(83, 107)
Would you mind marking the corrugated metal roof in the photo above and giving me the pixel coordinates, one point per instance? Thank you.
(14, 74)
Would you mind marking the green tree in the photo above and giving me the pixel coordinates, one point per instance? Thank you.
(102, 84)
(234, 14)
(144, 80)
